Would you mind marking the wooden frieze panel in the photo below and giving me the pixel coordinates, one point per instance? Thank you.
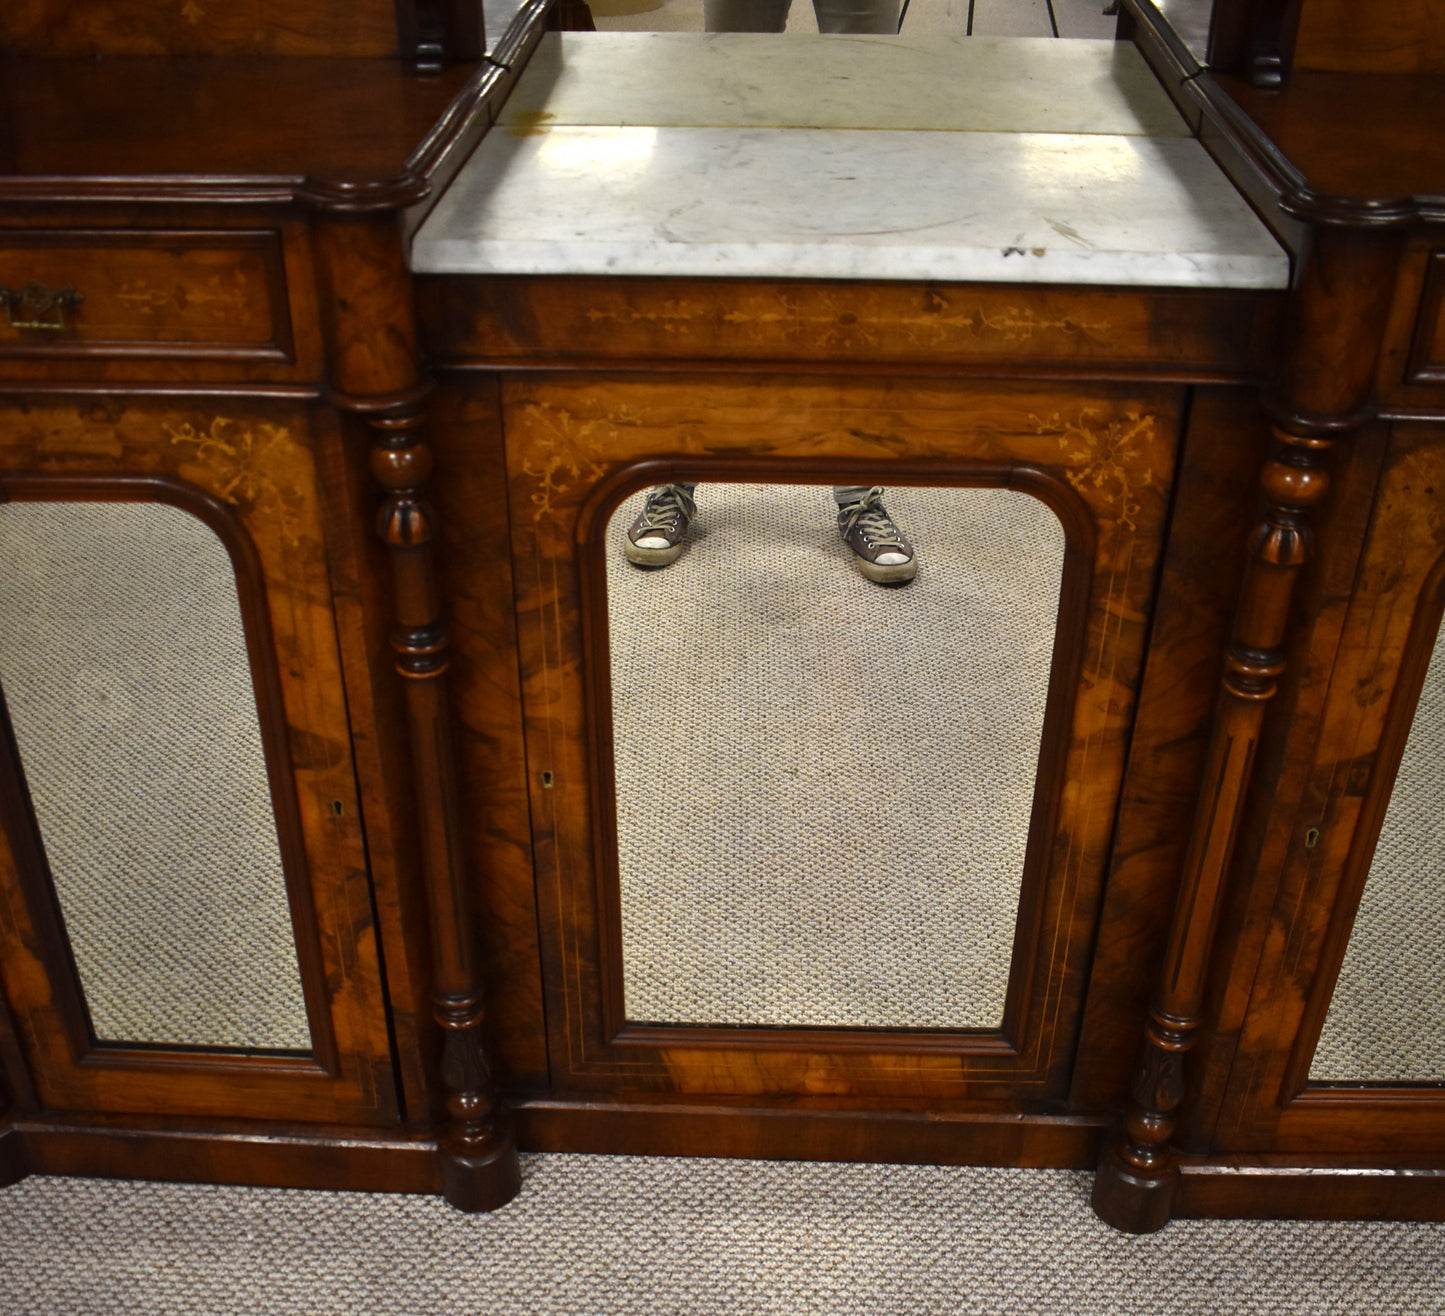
(602, 319)
(197, 27)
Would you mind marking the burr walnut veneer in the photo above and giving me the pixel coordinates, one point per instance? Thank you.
(204, 237)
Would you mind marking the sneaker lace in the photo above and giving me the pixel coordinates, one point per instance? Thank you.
(665, 506)
(872, 521)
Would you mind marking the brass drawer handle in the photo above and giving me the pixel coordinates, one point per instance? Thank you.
(34, 306)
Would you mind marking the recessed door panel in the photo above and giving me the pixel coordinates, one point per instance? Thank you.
(796, 831)
(186, 921)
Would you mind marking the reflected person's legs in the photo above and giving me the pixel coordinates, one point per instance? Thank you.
(878, 16)
(745, 15)
(655, 538)
(882, 552)
(875, 16)
(880, 549)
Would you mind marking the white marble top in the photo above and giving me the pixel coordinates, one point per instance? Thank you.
(973, 84)
(1104, 196)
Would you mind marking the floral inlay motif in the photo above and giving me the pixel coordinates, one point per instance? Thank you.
(243, 463)
(217, 299)
(839, 320)
(1108, 458)
(554, 436)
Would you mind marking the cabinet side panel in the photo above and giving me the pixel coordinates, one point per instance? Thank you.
(196, 27)
(1405, 37)
(1214, 501)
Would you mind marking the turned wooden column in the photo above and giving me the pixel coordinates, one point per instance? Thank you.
(1322, 395)
(371, 333)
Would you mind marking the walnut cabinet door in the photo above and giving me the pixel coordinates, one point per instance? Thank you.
(1338, 979)
(186, 920)
(799, 838)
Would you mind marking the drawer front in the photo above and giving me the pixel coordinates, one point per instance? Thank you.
(158, 292)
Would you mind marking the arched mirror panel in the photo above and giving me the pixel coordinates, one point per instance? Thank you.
(1384, 1022)
(133, 721)
(824, 787)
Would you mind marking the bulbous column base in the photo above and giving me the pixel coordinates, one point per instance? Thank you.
(481, 1179)
(1130, 1201)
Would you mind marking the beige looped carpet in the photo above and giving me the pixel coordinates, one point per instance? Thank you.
(618, 1236)
(824, 786)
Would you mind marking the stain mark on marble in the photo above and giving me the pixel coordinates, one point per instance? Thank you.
(1067, 231)
(530, 123)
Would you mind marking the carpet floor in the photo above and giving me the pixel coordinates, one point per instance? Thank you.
(619, 1236)
(823, 786)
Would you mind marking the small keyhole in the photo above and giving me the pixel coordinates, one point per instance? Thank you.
(547, 780)
(1312, 838)
(336, 808)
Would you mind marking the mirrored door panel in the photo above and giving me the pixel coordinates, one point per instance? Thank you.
(824, 784)
(131, 701)
(1385, 1022)
(187, 918)
(798, 829)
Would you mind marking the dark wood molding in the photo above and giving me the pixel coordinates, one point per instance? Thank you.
(271, 1154)
(510, 49)
(673, 1127)
(1070, 635)
(1276, 1189)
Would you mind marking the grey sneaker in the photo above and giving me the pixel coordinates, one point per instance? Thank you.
(879, 548)
(655, 538)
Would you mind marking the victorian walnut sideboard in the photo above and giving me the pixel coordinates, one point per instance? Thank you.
(206, 227)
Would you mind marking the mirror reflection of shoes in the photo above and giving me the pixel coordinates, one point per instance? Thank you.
(880, 549)
(655, 539)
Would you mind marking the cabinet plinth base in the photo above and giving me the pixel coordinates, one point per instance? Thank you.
(1130, 1202)
(474, 1183)
(12, 1160)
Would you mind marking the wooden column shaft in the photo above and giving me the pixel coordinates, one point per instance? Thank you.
(1323, 394)
(366, 296)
